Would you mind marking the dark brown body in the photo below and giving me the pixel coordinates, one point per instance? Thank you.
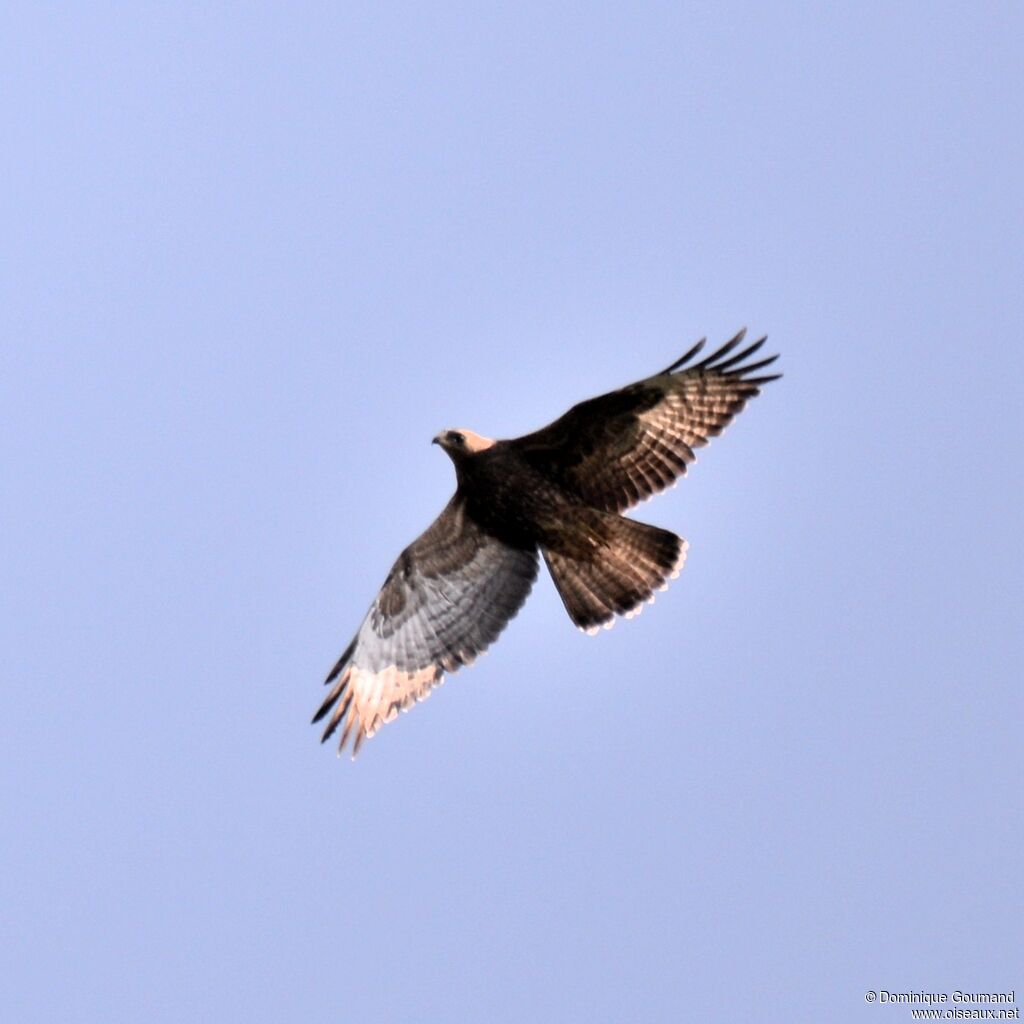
(510, 499)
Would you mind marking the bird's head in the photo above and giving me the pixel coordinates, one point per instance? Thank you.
(460, 443)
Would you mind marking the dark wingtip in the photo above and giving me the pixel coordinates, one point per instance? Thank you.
(341, 662)
(734, 369)
(717, 361)
(324, 708)
(345, 696)
(740, 356)
(706, 362)
(685, 358)
(750, 368)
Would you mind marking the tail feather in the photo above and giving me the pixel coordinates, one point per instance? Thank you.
(606, 565)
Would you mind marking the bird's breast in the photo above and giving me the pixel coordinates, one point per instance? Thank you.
(511, 500)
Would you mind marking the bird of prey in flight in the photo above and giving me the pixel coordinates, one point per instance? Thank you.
(556, 493)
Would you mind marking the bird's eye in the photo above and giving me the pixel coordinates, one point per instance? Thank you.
(456, 438)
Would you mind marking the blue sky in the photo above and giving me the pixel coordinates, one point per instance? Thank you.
(256, 257)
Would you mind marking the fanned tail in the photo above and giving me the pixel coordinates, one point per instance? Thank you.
(606, 565)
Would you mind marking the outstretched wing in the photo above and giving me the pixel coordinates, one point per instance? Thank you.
(446, 599)
(617, 449)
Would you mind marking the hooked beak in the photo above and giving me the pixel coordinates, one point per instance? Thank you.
(437, 440)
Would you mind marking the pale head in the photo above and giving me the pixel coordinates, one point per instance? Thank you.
(462, 442)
